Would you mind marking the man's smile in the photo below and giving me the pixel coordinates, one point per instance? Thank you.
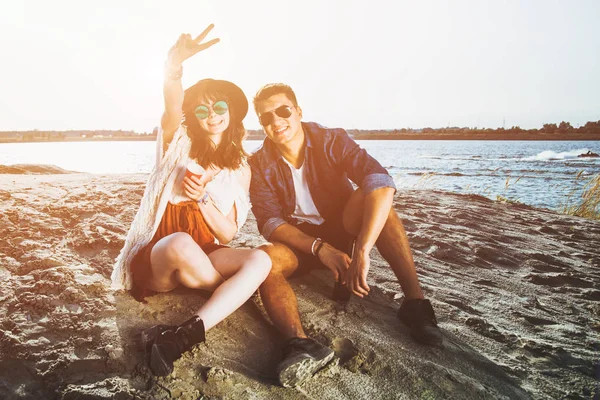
(281, 130)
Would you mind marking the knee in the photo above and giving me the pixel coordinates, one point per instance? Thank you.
(179, 246)
(260, 262)
(283, 259)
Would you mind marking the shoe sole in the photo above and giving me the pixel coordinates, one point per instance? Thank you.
(158, 363)
(293, 372)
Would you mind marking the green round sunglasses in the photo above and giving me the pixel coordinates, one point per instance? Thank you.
(203, 111)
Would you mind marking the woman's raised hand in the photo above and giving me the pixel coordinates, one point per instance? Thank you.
(185, 47)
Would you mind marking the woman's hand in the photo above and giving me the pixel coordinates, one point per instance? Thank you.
(185, 47)
(194, 187)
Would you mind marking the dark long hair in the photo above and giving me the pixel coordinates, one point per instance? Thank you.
(229, 153)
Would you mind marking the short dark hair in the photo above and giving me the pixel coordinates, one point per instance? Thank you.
(271, 89)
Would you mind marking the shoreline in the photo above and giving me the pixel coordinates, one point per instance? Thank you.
(424, 137)
(557, 205)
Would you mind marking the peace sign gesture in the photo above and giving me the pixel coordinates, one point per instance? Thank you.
(185, 47)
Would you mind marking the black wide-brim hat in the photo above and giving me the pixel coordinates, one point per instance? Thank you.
(236, 96)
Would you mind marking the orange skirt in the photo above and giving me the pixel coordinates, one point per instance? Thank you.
(182, 217)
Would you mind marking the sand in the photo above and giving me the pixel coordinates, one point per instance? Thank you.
(516, 290)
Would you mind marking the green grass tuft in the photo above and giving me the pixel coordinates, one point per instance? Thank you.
(588, 206)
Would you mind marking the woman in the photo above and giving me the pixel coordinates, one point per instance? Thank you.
(179, 234)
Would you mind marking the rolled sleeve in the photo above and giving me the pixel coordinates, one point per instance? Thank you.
(377, 181)
(361, 167)
(269, 227)
(265, 205)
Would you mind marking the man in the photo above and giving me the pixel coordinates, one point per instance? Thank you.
(302, 197)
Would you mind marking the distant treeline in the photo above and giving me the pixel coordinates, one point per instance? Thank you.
(57, 136)
(562, 131)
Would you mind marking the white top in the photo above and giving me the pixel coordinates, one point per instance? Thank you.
(306, 210)
(225, 190)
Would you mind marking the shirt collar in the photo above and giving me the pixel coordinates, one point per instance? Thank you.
(275, 155)
(308, 133)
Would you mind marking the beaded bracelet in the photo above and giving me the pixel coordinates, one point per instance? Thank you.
(204, 199)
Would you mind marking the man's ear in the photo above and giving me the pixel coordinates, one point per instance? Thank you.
(299, 111)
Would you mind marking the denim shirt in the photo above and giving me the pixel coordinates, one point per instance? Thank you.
(331, 159)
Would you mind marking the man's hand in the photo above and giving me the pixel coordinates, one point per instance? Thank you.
(357, 274)
(185, 47)
(337, 261)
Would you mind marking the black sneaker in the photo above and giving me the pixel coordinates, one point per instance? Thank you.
(302, 357)
(171, 343)
(418, 315)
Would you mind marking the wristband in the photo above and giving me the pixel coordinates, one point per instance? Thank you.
(312, 247)
(321, 243)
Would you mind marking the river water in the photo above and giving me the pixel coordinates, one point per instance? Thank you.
(539, 173)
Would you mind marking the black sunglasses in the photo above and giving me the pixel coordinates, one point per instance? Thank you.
(281, 111)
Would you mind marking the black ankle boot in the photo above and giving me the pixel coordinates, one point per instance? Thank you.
(170, 344)
(419, 316)
(149, 335)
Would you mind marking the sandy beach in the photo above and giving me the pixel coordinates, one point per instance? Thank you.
(516, 290)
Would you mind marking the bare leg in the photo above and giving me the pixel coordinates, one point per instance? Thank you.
(176, 259)
(245, 270)
(392, 244)
(233, 274)
(276, 293)
(303, 356)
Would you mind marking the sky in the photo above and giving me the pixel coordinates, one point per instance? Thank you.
(69, 65)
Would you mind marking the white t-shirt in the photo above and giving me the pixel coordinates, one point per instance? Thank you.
(306, 210)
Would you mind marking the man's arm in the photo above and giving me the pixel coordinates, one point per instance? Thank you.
(265, 205)
(270, 218)
(377, 206)
(335, 260)
(379, 188)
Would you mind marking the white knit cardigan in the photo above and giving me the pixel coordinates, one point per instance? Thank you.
(154, 202)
